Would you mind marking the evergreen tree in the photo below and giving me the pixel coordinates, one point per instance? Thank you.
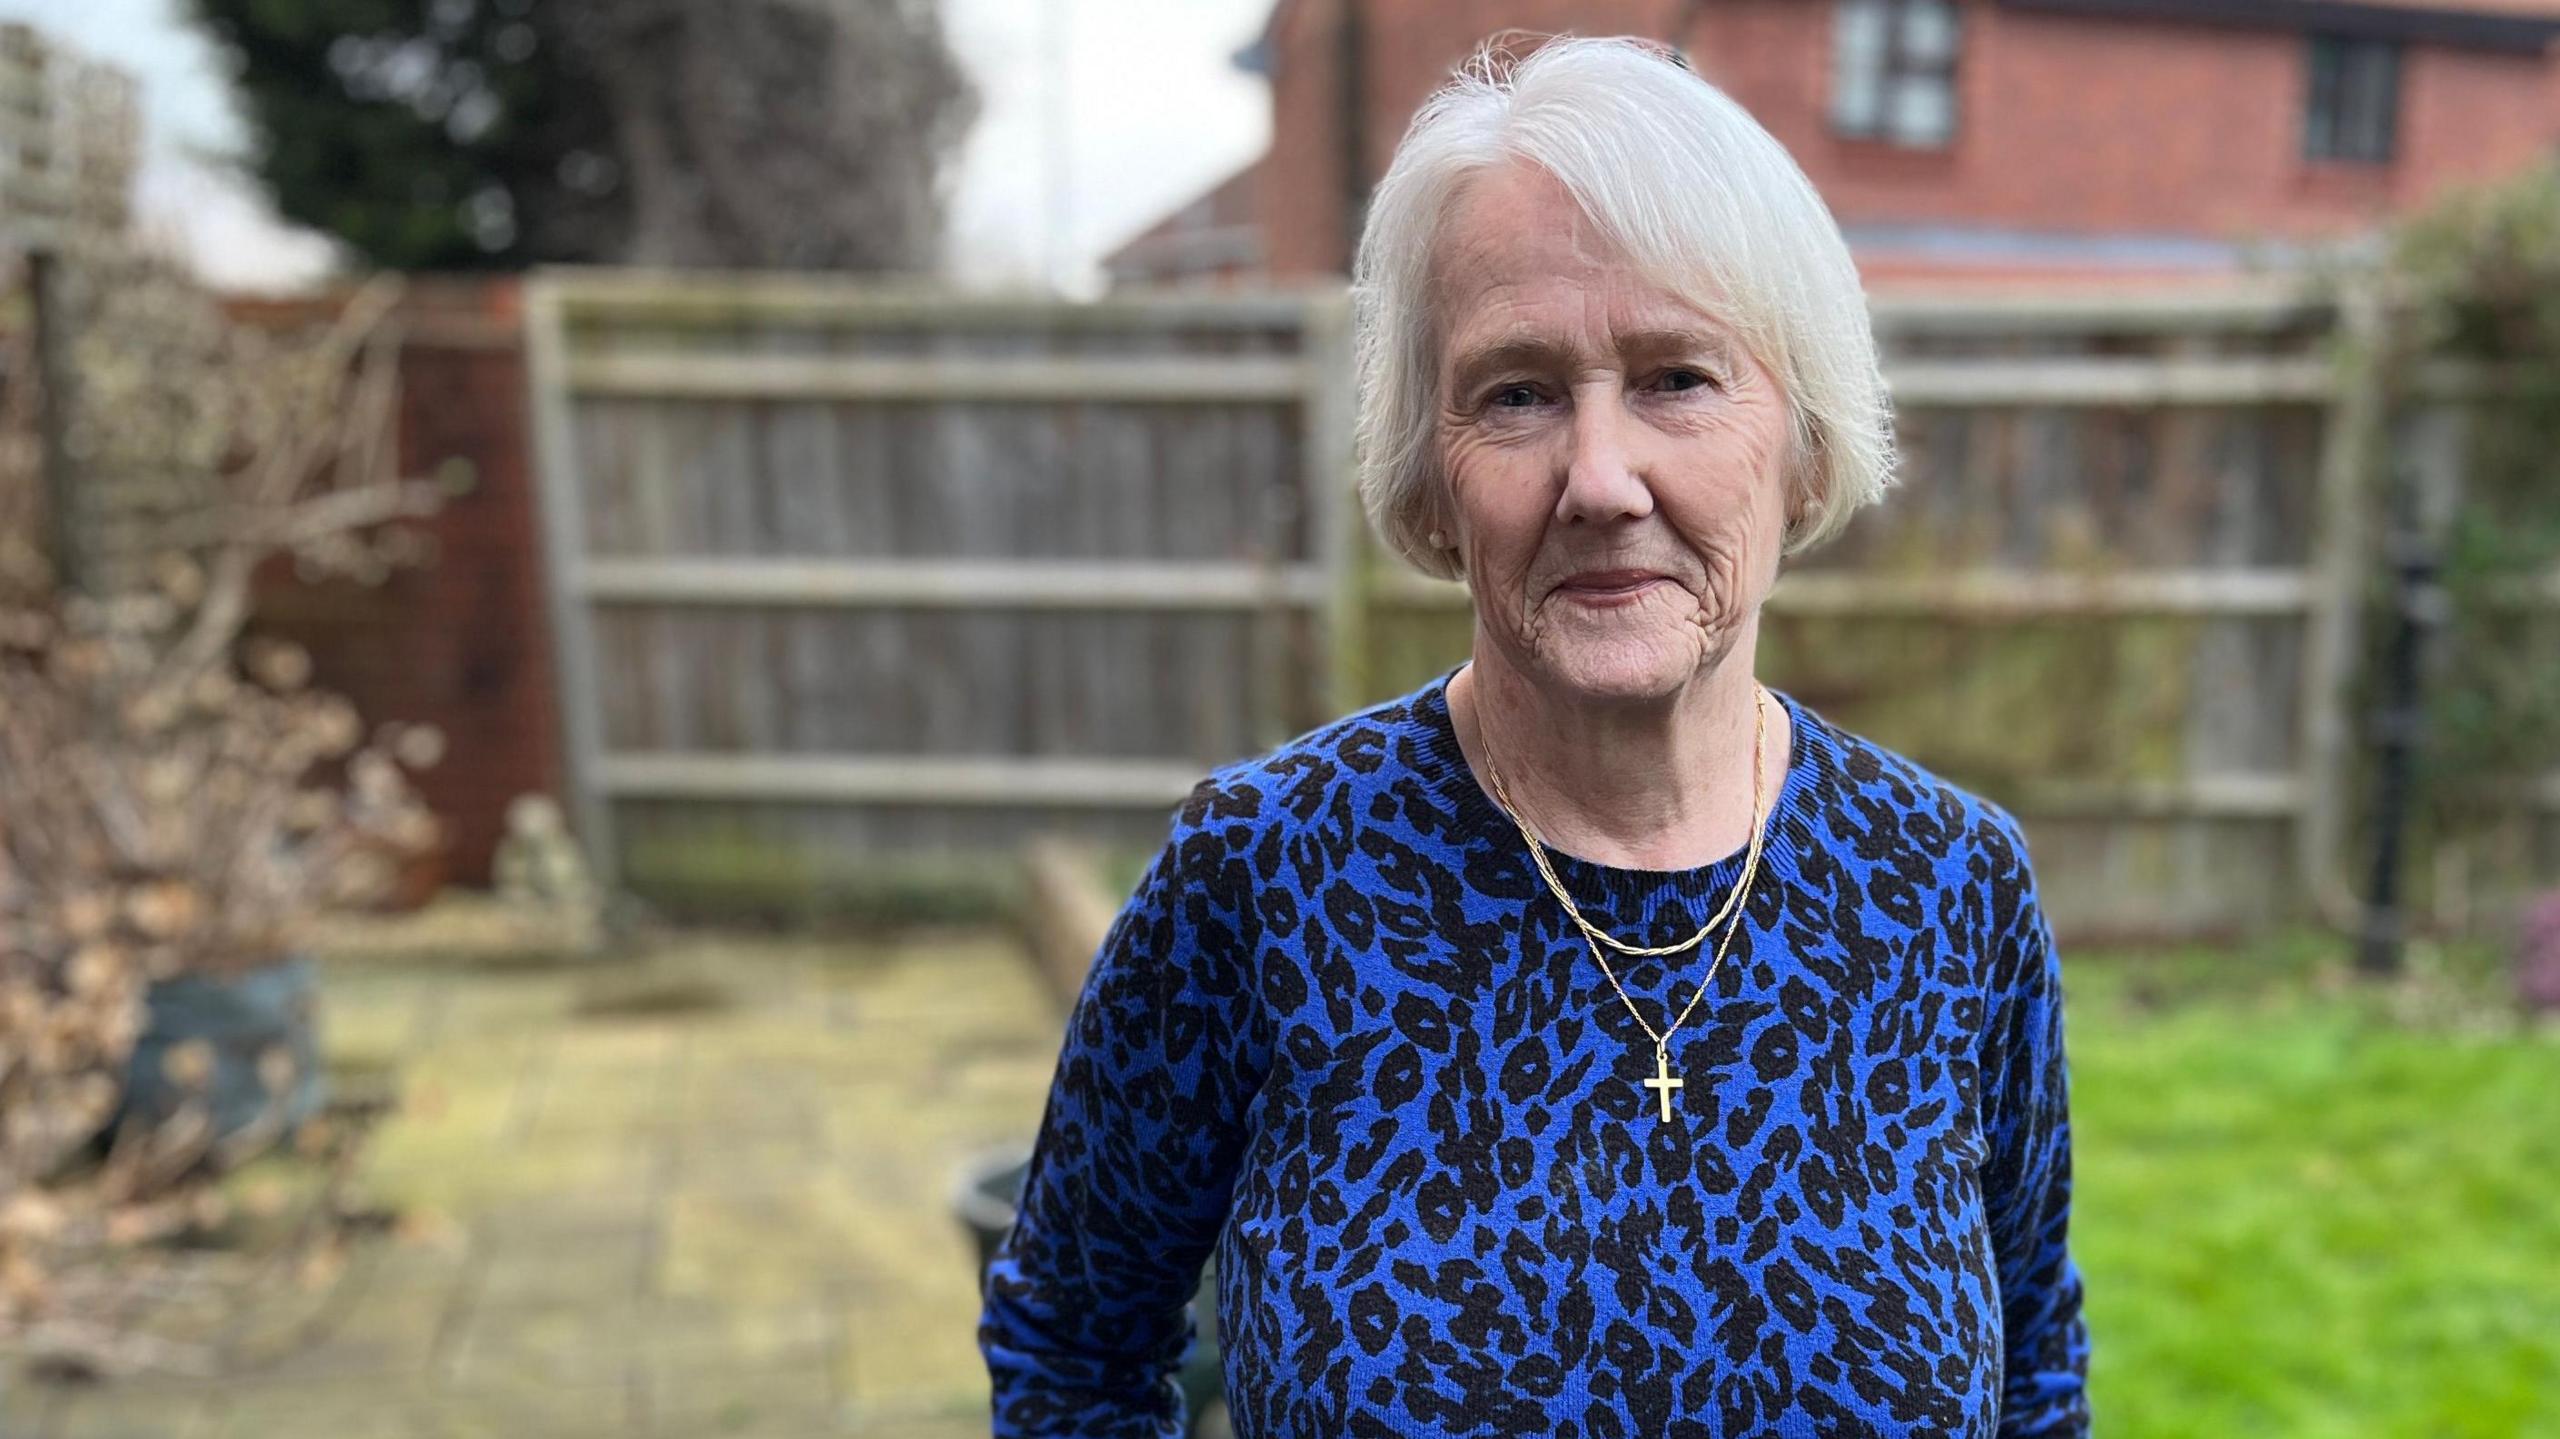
(466, 134)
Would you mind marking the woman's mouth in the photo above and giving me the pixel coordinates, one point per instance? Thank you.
(1607, 589)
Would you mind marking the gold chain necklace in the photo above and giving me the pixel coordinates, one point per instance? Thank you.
(1663, 1081)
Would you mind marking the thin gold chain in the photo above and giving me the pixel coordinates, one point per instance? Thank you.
(1538, 853)
(1594, 937)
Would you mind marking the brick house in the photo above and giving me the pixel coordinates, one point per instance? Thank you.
(1953, 138)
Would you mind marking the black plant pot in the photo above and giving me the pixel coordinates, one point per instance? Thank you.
(238, 1018)
(991, 1187)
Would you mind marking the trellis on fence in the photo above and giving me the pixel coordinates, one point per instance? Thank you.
(70, 139)
(845, 574)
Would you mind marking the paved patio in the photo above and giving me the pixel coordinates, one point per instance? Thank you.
(699, 1192)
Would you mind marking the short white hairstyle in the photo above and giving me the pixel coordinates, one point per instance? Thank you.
(1703, 201)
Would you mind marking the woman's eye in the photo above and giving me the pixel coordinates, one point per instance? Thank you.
(1684, 379)
(1513, 397)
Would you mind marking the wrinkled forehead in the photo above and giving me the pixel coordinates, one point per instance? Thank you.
(1516, 258)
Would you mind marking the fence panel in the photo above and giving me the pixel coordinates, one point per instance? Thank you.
(2116, 587)
(846, 573)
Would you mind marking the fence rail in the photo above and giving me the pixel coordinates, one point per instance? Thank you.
(968, 584)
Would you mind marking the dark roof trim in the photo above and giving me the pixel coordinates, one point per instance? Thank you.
(2468, 29)
(1255, 56)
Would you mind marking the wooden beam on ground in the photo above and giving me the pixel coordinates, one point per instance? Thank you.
(1067, 913)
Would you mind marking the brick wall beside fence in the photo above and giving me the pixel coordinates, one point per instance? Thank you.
(460, 643)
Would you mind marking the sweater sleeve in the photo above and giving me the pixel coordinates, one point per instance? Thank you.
(2027, 1178)
(1086, 1305)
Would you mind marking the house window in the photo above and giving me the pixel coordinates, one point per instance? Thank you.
(1893, 70)
(2354, 104)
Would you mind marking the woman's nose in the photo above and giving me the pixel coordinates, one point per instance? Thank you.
(1600, 480)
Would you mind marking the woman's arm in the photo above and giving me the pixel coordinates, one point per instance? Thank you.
(1086, 1305)
(2027, 1178)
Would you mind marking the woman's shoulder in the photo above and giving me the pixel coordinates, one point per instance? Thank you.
(1297, 781)
(1901, 830)
(1933, 813)
(1245, 827)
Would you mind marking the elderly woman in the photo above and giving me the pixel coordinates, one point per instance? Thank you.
(1594, 1041)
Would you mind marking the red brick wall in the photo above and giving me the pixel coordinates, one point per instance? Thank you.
(1302, 172)
(1405, 51)
(462, 643)
(2089, 125)
(2067, 124)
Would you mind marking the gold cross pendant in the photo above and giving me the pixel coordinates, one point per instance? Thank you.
(1662, 1083)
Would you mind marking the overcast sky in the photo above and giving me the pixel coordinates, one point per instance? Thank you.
(1098, 115)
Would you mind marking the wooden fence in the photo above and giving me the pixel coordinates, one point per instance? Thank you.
(847, 575)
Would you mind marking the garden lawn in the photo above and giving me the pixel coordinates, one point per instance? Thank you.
(2305, 1206)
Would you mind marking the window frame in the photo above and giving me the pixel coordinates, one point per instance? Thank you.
(1894, 66)
(2340, 72)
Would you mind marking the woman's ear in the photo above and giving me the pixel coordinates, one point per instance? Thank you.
(1804, 485)
(1443, 534)
(1444, 541)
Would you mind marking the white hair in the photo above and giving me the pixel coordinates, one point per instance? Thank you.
(1707, 205)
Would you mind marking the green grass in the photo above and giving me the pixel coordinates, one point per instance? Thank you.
(2307, 1206)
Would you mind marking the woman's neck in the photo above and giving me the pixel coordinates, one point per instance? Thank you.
(1663, 785)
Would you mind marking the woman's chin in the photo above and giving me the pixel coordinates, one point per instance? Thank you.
(1638, 663)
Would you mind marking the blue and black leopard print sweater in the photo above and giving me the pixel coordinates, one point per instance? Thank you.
(1342, 1040)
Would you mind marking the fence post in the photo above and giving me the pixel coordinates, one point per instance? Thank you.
(564, 567)
(2426, 477)
(2339, 562)
(1276, 701)
(64, 542)
(1340, 543)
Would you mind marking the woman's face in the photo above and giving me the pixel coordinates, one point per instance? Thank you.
(1615, 462)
